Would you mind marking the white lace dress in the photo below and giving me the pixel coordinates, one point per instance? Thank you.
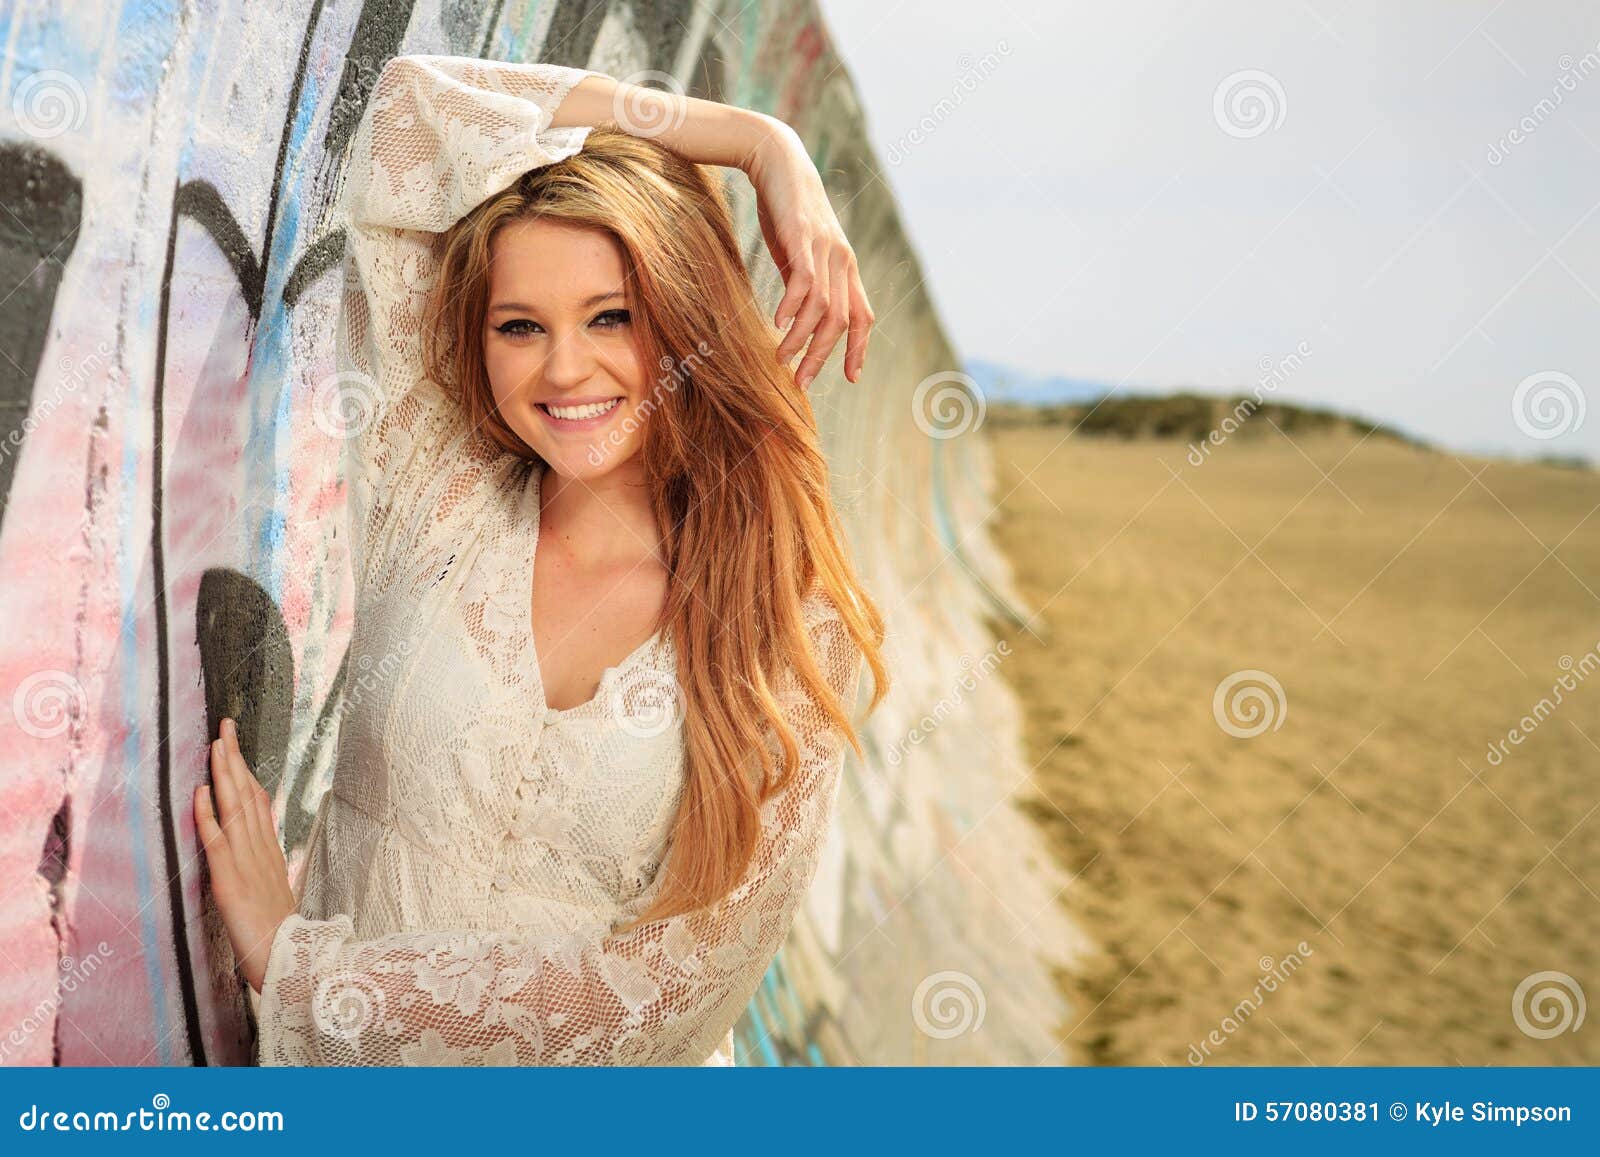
(476, 848)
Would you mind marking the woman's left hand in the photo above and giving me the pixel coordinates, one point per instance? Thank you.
(249, 876)
(823, 290)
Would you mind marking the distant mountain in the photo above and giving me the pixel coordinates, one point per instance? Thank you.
(1188, 415)
(1005, 384)
(1090, 407)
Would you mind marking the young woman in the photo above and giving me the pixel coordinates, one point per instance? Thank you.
(608, 638)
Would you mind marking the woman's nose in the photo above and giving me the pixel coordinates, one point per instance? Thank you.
(570, 362)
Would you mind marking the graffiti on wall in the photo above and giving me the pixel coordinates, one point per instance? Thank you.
(171, 546)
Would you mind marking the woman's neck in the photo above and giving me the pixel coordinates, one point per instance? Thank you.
(608, 519)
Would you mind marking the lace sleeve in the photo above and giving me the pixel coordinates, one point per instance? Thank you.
(663, 993)
(439, 136)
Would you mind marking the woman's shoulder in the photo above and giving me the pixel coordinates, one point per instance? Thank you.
(820, 607)
(832, 645)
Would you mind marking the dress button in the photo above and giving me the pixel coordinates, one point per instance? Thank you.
(502, 881)
(551, 715)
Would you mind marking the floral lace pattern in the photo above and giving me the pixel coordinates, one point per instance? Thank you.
(477, 849)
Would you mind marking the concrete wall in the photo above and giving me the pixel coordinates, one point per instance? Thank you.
(171, 546)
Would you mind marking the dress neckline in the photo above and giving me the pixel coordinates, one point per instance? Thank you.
(530, 653)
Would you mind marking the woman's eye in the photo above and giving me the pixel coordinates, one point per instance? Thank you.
(611, 318)
(518, 327)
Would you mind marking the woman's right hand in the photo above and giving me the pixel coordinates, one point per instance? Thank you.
(249, 877)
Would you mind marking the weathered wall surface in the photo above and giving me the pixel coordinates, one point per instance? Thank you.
(171, 546)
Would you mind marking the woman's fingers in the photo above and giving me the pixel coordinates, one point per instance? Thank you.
(243, 781)
(832, 301)
(833, 320)
(243, 807)
(266, 822)
(205, 822)
(225, 793)
(221, 860)
(813, 310)
(797, 289)
(861, 319)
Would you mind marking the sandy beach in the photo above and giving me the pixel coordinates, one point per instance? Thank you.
(1268, 699)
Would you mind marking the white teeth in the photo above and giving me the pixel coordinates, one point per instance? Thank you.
(574, 413)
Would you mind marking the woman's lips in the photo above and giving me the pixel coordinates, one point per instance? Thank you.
(578, 425)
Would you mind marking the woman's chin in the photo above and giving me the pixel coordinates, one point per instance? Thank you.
(585, 463)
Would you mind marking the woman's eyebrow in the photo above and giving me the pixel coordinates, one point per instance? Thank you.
(584, 304)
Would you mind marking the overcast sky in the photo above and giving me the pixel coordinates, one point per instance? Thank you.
(1086, 202)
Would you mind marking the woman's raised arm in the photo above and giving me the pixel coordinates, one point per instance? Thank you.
(822, 281)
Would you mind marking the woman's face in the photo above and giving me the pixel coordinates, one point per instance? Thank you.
(560, 347)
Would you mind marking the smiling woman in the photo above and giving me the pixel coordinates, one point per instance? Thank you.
(494, 878)
(584, 353)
